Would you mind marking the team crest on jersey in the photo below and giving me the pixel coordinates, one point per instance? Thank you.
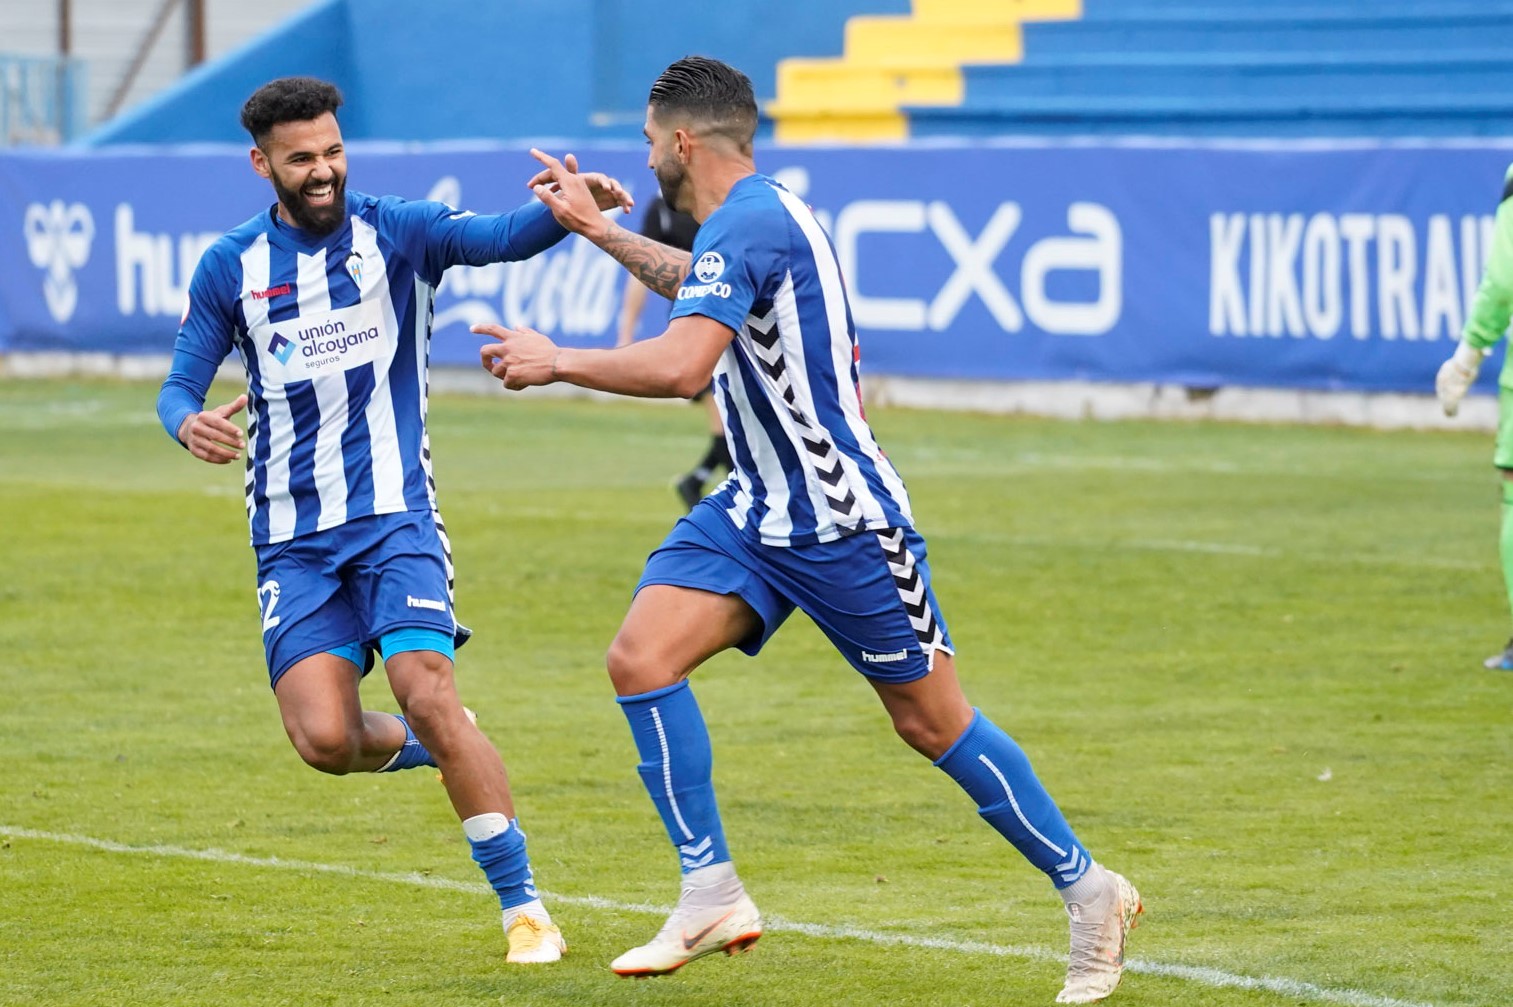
(709, 267)
(354, 267)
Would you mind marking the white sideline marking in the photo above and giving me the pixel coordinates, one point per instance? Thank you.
(1201, 975)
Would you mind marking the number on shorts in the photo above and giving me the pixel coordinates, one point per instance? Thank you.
(267, 599)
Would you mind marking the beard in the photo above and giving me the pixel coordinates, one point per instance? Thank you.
(670, 180)
(318, 220)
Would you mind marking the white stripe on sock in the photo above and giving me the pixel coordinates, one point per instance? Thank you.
(656, 718)
(1009, 791)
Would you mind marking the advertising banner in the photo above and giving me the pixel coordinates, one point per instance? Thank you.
(1345, 267)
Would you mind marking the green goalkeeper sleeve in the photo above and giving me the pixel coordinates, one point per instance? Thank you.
(1493, 306)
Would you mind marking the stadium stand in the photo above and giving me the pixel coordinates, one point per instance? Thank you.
(521, 81)
(1220, 68)
(890, 62)
(906, 69)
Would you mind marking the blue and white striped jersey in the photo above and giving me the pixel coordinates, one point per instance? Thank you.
(808, 468)
(334, 333)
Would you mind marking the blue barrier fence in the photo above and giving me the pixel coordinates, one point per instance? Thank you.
(1287, 266)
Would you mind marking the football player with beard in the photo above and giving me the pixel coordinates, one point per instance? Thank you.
(815, 517)
(326, 296)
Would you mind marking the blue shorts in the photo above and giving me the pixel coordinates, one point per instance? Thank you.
(346, 588)
(869, 592)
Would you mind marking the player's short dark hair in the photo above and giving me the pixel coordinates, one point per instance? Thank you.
(715, 95)
(288, 99)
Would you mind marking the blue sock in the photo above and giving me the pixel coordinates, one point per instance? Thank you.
(411, 754)
(676, 763)
(503, 859)
(995, 773)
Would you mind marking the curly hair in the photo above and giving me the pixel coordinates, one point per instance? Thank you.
(715, 95)
(288, 99)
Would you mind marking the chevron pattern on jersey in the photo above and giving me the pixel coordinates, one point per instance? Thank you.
(446, 556)
(911, 589)
(254, 433)
(826, 460)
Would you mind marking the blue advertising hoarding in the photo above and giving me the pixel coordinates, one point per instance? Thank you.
(1346, 267)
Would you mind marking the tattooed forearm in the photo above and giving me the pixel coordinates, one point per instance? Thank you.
(660, 267)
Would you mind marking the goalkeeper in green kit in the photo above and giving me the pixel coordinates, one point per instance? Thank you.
(1486, 325)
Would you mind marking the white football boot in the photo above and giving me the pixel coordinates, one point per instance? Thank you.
(1099, 929)
(693, 931)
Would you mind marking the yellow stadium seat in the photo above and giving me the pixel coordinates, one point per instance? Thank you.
(891, 61)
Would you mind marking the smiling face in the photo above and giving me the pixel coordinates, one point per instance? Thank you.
(307, 164)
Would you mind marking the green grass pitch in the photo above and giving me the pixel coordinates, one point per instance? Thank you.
(1245, 660)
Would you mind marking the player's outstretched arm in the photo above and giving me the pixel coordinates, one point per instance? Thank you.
(659, 267)
(559, 185)
(676, 364)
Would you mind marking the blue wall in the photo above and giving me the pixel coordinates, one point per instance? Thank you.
(461, 69)
(632, 48)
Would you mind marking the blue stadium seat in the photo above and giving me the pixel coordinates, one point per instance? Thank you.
(1342, 30)
(1248, 68)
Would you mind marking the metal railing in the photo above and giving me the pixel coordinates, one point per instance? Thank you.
(41, 100)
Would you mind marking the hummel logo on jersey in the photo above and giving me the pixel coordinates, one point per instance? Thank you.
(897, 655)
(281, 348)
(263, 295)
(709, 267)
(435, 606)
